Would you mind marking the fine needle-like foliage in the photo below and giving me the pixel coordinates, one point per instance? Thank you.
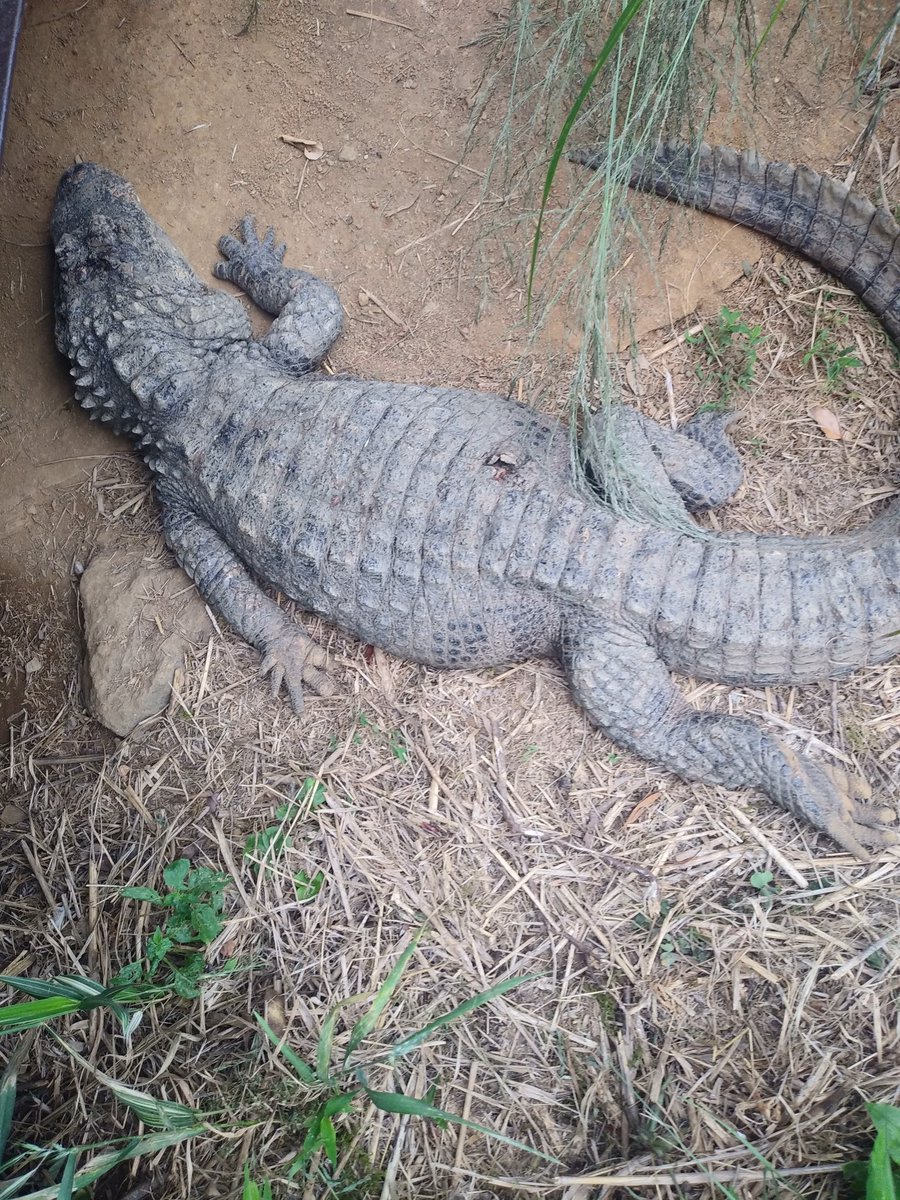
(622, 77)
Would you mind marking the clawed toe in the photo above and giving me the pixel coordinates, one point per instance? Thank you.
(295, 660)
(853, 822)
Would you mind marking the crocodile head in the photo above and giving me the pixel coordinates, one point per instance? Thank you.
(129, 309)
(108, 250)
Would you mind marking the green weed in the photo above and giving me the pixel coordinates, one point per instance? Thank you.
(834, 360)
(193, 901)
(686, 943)
(54, 1170)
(730, 348)
(879, 1178)
(252, 1190)
(264, 849)
(763, 882)
(331, 1086)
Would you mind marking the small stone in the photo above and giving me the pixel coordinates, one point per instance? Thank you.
(33, 665)
(11, 815)
(139, 618)
(348, 153)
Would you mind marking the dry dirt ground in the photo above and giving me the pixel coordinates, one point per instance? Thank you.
(683, 1007)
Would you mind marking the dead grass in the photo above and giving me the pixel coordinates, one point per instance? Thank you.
(683, 1021)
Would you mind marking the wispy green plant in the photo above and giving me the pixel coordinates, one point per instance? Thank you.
(264, 850)
(730, 348)
(834, 359)
(657, 70)
(332, 1085)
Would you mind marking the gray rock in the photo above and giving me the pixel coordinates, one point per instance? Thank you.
(139, 617)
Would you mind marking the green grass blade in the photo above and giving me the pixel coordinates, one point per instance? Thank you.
(250, 1190)
(73, 993)
(416, 1039)
(304, 1074)
(8, 1089)
(68, 1176)
(366, 1024)
(776, 13)
(325, 1044)
(103, 1163)
(15, 1018)
(12, 1189)
(328, 1136)
(155, 1113)
(396, 1102)
(627, 15)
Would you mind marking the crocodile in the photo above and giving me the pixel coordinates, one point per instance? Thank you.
(447, 526)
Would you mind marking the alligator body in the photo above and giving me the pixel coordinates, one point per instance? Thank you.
(444, 526)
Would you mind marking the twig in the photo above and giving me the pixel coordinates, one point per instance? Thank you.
(775, 854)
(452, 161)
(181, 52)
(676, 341)
(670, 1178)
(392, 316)
(354, 12)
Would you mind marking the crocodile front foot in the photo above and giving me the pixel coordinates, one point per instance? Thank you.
(294, 659)
(251, 260)
(838, 802)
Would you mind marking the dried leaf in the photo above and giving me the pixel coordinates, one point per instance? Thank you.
(310, 147)
(827, 422)
(275, 1017)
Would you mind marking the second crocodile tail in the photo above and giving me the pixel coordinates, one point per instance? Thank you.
(839, 229)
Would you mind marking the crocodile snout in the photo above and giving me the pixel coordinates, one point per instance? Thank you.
(86, 189)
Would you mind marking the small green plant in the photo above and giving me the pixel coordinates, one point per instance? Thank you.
(193, 901)
(765, 887)
(395, 739)
(831, 357)
(686, 943)
(730, 348)
(331, 1086)
(264, 849)
(879, 1178)
(252, 1190)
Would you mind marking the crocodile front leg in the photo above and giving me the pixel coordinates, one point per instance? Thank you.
(309, 316)
(625, 688)
(225, 583)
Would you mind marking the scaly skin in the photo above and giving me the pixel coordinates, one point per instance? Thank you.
(443, 524)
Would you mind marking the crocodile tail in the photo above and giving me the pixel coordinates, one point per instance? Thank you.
(823, 219)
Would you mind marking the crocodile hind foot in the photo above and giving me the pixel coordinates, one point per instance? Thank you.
(626, 689)
(309, 316)
(838, 802)
(295, 659)
(657, 473)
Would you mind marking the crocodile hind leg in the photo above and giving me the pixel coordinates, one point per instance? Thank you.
(627, 691)
(308, 313)
(657, 469)
(289, 654)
